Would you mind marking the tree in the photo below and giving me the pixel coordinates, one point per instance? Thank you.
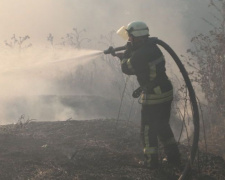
(18, 42)
(209, 53)
(75, 39)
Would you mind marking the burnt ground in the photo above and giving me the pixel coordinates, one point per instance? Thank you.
(87, 150)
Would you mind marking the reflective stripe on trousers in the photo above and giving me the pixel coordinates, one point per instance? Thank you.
(147, 149)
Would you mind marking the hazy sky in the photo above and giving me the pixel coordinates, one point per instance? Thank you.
(170, 20)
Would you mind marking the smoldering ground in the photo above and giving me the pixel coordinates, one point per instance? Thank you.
(33, 83)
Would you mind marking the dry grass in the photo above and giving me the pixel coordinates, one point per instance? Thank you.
(85, 150)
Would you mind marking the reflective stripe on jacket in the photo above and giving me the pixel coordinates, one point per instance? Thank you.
(148, 64)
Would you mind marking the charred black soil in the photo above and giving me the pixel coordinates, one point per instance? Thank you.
(88, 150)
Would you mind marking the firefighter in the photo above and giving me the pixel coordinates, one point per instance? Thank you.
(144, 59)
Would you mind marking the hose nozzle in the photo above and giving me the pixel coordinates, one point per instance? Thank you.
(112, 50)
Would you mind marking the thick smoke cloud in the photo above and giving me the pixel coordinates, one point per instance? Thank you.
(172, 21)
(169, 20)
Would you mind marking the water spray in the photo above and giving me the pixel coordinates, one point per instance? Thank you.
(29, 76)
(192, 96)
(49, 59)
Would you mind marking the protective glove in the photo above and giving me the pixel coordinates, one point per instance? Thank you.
(137, 92)
(111, 51)
(119, 55)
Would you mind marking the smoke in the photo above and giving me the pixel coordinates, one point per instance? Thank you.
(171, 20)
(22, 73)
(38, 81)
(30, 81)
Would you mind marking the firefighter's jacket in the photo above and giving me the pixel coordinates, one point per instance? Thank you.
(148, 64)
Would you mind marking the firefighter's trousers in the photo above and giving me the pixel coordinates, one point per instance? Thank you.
(155, 125)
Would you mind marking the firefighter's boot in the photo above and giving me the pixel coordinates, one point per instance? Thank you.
(173, 155)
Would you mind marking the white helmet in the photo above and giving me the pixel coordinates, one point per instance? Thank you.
(137, 28)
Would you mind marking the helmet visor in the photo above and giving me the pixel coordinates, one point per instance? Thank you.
(122, 32)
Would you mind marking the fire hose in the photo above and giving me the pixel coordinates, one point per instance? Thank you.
(194, 105)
